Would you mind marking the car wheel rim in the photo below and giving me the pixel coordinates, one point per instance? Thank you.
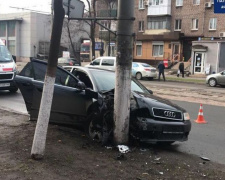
(138, 76)
(212, 82)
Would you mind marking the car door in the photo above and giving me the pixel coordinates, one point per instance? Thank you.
(134, 69)
(108, 64)
(24, 83)
(96, 63)
(221, 78)
(69, 105)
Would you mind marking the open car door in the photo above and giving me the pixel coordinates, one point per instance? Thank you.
(69, 105)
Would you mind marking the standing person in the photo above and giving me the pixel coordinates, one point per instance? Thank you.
(181, 68)
(161, 68)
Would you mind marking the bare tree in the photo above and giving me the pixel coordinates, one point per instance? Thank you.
(72, 30)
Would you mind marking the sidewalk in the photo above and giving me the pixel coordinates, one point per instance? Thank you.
(195, 79)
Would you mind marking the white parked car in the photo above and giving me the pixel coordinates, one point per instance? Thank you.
(104, 62)
(143, 70)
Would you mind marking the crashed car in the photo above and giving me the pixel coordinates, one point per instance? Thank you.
(85, 96)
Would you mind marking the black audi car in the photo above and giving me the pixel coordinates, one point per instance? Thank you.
(80, 94)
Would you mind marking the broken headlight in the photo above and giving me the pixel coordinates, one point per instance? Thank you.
(186, 116)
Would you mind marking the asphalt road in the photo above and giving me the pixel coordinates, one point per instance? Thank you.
(206, 140)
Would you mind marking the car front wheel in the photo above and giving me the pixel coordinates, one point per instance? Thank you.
(13, 90)
(212, 82)
(138, 76)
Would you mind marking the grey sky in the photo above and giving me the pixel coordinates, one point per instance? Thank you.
(36, 5)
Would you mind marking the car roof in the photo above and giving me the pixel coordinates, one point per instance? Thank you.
(88, 68)
(106, 57)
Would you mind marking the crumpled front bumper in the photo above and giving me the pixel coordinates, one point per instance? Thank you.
(150, 130)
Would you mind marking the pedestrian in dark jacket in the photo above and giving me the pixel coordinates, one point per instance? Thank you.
(181, 68)
(161, 68)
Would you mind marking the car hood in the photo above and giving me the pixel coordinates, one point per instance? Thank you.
(151, 101)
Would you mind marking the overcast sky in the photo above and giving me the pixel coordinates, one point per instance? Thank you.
(36, 5)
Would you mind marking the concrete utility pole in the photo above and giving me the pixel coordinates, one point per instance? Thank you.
(123, 71)
(39, 140)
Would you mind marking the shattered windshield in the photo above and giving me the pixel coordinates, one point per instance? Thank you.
(106, 81)
(5, 55)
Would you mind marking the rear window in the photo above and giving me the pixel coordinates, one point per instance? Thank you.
(146, 65)
(108, 62)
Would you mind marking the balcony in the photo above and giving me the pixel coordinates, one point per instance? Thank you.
(160, 9)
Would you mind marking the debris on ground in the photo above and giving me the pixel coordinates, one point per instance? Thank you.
(205, 158)
(123, 149)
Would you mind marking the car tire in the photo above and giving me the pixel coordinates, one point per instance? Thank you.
(100, 129)
(13, 90)
(138, 76)
(93, 127)
(222, 86)
(212, 82)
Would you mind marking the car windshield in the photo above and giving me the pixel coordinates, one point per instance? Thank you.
(5, 55)
(106, 81)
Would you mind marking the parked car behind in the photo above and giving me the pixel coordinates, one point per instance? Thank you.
(152, 119)
(63, 61)
(8, 69)
(104, 62)
(143, 70)
(216, 79)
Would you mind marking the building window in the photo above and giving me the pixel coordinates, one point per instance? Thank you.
(196, 2)
(141, 26)
(179, 2)
(158, 22)
(105, 24)
(155, 2)
(138, 48)
(194, 24)
(212, 23)
(11, 29)
(11, 46)
(157, 49)
(2, 29)
(177, 25)
(141, 4)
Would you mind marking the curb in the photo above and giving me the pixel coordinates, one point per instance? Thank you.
(13, 111)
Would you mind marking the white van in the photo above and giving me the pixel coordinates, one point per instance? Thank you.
(104, 62)
(7, 69)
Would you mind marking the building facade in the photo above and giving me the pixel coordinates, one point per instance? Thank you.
(28, 34)
(165, 30)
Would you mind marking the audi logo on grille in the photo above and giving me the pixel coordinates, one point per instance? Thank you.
(169, 114)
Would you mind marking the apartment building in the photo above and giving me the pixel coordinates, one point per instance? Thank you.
(154, 39)
(166, 30)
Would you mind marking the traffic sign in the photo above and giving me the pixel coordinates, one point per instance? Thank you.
(219, 6)
(73, 8)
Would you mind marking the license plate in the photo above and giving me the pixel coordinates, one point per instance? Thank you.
(4, 84)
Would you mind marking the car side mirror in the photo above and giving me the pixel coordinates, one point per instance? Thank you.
(150, 91)
(81, 85)
(222, 73)
(92, 63)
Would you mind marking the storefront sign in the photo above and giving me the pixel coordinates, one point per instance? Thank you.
(219, 6)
